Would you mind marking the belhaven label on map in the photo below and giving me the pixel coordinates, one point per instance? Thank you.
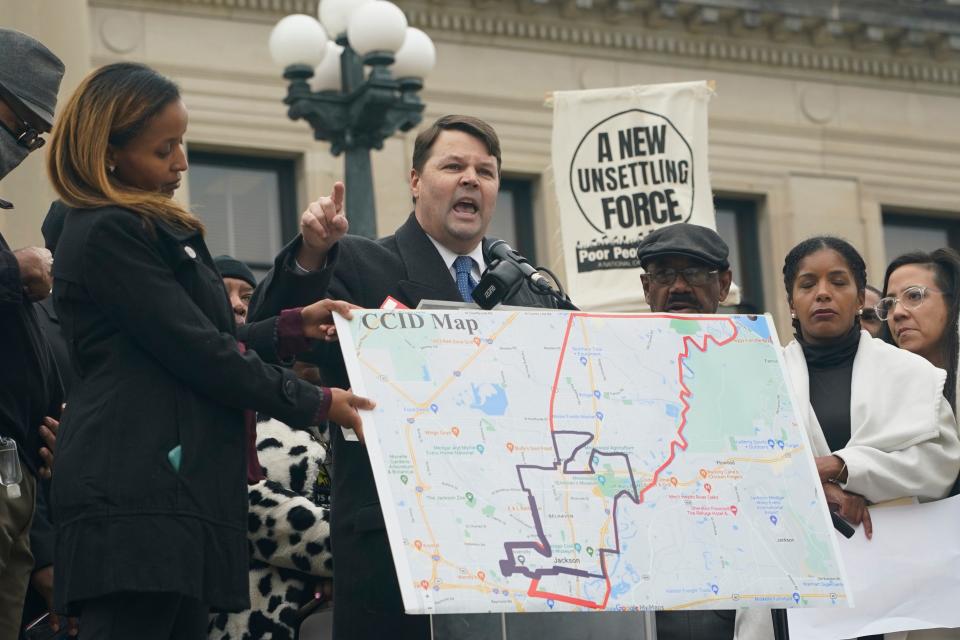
(558, 461)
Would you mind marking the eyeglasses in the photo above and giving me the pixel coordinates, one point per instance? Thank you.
(910, 298)
(693, 276)
(26, 134)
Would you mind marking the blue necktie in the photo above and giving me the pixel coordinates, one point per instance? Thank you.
(465, 284)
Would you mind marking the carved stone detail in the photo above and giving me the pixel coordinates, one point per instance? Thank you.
(669, 27)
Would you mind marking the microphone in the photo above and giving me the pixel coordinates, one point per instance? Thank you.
(498, 283)
(507, 273)
(500, 250)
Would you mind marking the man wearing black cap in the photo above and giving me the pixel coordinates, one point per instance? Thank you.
(686, 271)
(29, 386)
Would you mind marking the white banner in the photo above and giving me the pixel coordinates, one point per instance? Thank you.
(626, 161)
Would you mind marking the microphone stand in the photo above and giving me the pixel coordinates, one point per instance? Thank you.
(541, 287)
(781, 628)
(562, 299)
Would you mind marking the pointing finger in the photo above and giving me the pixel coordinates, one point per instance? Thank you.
(339, 189)
(361, 403)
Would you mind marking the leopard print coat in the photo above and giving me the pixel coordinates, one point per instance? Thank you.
(289, 536)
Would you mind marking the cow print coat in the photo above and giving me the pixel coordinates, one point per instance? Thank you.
(289, 536)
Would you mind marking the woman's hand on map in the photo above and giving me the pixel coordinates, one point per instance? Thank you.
(345, 408)
(849, 506)
(318, 321)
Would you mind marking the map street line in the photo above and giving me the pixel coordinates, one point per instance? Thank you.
(509, 566)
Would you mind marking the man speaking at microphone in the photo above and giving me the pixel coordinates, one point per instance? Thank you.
(438, 253)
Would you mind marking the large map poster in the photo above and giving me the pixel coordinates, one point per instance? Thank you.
(555, 461)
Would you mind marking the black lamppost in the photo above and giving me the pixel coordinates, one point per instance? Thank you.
(329, 90)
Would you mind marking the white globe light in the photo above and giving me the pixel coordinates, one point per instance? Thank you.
(416, 57)
(335, 14)
(377, 26)
(326, 77)
(298, 39)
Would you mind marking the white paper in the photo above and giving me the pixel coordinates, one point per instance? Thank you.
(907, 577)
(626, 161)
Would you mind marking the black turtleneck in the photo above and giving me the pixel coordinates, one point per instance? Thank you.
(830, 368)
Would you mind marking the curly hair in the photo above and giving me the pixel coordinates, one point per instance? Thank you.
(945, 265)
(791, 265)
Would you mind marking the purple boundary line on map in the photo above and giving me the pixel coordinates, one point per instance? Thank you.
(510, 566)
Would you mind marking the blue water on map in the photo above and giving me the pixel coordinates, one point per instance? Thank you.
(758, 325)
(426, 373)
(493, 400)
(672, 410)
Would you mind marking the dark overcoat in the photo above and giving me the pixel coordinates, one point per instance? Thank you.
(151, 338)
(409, 268)
(29, 383)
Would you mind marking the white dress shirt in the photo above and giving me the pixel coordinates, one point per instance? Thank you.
(448, 256)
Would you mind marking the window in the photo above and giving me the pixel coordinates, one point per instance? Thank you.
(904, 232)
(737, 221)
(247, 204)
(513, 220)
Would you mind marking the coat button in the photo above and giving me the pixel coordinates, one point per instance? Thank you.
(190, 251)
(289, 389)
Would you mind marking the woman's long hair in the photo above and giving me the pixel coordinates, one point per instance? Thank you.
(112, 106)
(791, 266)
(945, 265)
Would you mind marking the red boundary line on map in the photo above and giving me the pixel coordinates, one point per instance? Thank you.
(534, 591)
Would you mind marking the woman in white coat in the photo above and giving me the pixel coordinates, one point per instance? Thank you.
(877, 419)
(919, 309)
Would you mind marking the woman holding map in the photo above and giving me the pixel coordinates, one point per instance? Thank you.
(877, 419)
(150, 490)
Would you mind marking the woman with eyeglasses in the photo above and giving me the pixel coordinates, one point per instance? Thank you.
(877, 420)
(920, 307)
(919, 310)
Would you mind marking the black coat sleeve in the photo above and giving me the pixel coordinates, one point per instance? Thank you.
(11, 291)
(125, 273)
(285, 288)
(261, 336)
(42, 530)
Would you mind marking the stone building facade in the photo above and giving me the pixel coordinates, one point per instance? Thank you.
(830, 117)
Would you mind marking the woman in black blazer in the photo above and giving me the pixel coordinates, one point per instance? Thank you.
(149, 489)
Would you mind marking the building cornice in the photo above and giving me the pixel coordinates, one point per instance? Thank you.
(880, 41)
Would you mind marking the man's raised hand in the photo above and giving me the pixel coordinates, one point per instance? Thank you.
(322, 225)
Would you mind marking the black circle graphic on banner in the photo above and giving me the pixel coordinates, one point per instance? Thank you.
(604, 172)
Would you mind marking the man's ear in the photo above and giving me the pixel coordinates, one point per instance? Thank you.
(726, 278)
(414, 184)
